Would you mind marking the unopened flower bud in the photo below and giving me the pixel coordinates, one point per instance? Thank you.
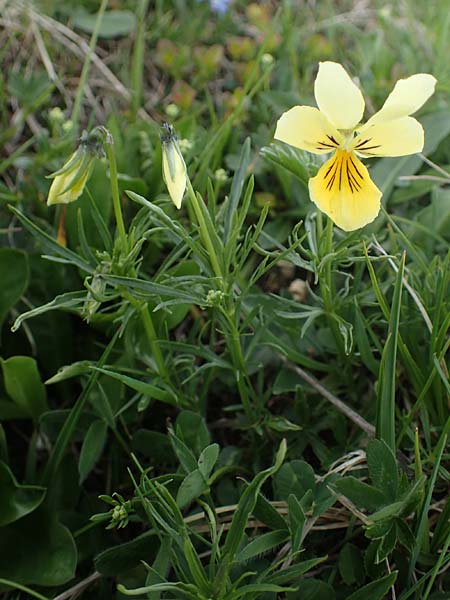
(214, 297)
(69, 181)
(67, 126)
(267, 59)
(185, 145)
(56, 115)
(220, 175)
(172, 111)
(173, 165)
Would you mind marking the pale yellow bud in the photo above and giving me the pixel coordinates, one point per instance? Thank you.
(172, 111)
(69, 181)
(173, 166)
(69, 184)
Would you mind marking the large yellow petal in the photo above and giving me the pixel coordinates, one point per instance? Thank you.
(337, 96)
(406, 98)
(343, 190)
(399, 137)
(305, 127)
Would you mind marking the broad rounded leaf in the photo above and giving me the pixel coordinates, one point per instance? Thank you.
(37, 550)
(16, 500)
(295, 477)
(24, 386)
(191, 488)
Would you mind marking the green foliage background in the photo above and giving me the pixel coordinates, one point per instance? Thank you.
(269, 424)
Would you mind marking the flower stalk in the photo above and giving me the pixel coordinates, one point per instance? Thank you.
(109, 144)
(327, 287)
(152, 338)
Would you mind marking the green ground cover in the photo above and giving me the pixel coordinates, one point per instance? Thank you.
(236, 399)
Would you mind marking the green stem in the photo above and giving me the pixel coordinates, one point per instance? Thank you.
(87, 63)
(137, 67)
(115, 193)
(327, 287)
(328, 249)
(152, 338)
(22, 588)
(204, 230)
(235, 347)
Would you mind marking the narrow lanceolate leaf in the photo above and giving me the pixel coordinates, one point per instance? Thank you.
(385, 426)
(288, 157)
(245, 507)
(291, 574)
(142, 387)
(72, 301)
(182, 590)
(423, 517)
(263, 543)
(236, 188)
(51, 244)
(92, 448)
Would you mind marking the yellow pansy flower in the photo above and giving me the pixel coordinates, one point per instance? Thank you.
(173, 165)
(342, 188)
